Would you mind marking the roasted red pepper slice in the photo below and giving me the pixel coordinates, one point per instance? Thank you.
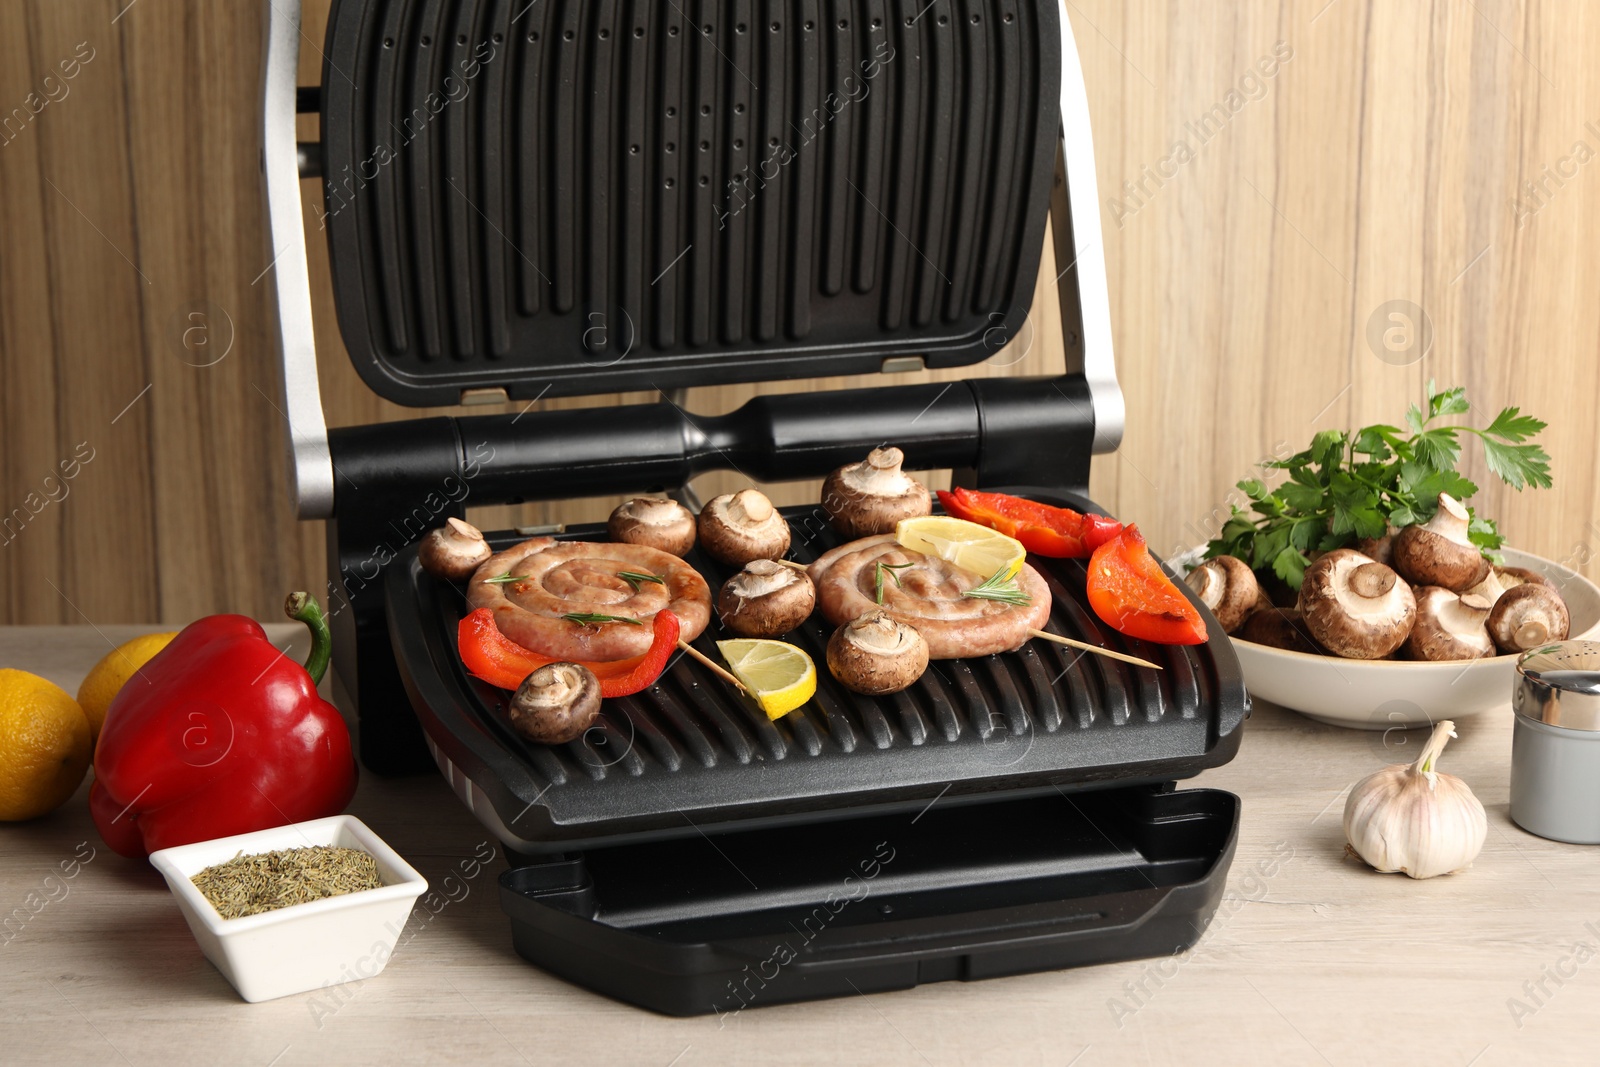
(1043, 529)
(495, 658)
(1132, 594)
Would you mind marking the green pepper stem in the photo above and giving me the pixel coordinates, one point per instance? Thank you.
(303, 607)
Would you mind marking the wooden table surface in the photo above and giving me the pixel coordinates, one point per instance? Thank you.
(1311, 959)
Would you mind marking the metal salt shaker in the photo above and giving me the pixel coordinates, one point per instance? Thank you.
(1555, 742)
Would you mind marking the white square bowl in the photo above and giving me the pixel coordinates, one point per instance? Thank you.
(304, 946)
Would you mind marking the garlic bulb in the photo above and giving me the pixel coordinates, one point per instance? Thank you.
(1410, 818)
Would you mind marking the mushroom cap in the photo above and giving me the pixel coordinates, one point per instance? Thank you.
(655, 523)
(1449, 626)
(766, 599)
(876, 654)
(556, 703)
(1228, 587)
(1283, 628)
(868, 498)
(1527, 616)
(453, 551)
(1356, 607)
(1438, 552)
(736, 528)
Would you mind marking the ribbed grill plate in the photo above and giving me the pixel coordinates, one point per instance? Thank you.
(689, 754)
(585, 196)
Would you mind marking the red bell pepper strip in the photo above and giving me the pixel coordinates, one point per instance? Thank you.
(221, 734)
(493, 657)
(1042, 528)
(1132, 594)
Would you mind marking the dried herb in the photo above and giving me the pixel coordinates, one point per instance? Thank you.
(591, 619)
(998, 587)
(877, 581)
(266, 881)
(635, 578)
(501, 579)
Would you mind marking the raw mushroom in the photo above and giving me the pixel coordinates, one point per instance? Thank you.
(1356, 607)
(1530, 615)
(736, 528)
(1228, 587)
(867, 498)
(1378, 549)
(1510, 577)
(1277, 627)
(1490, 589)
(766, 599)
(454, 550)
(875, 654)
(655, 523)
(1438, 552)
(556, 703)
(1449, 626)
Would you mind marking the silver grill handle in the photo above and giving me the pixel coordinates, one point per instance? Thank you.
(310, 463)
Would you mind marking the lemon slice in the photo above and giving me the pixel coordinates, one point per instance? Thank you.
(779, 676)
(966, 544)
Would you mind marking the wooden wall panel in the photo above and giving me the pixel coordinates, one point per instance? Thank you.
(1383, 158)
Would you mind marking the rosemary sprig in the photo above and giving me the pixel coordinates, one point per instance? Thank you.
(502, 579)
(877, 579)
(636, 578)
(998, 587)
(591, 619)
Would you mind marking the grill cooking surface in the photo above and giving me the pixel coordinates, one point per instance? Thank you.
(689, 752)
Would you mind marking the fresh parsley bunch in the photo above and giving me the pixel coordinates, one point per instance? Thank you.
(1353, 486)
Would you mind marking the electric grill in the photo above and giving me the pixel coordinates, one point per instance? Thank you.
(541, 198)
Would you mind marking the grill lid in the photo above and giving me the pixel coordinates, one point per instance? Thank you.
(689, 756)
(573, 198)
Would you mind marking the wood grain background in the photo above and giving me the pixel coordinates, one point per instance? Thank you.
(1435, 153)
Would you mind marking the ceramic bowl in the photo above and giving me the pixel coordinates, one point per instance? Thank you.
(304, 946)
(1390, 694)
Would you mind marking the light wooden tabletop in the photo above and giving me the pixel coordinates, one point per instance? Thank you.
(1311, 958)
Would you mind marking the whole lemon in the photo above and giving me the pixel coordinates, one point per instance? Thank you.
(44, 745)
(113, 672)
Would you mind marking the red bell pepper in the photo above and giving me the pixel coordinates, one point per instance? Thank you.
(221, 734)
(493, 657)
(1042, 528)
(1132, 594)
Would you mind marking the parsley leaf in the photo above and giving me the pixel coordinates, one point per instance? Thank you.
(1355, 486)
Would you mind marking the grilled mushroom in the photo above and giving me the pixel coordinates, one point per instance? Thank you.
(869, 497)
(736, 528)
(1438, 552)
(454, 550)
(556, 703)
(766, 599)
(655, 523)
(875, 654)
(1279, 628)
(1449, 626)
(1530, 615)
(1228, 587)
(1355, 607)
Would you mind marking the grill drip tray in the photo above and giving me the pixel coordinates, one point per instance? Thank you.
(888, 902)
(689, 756)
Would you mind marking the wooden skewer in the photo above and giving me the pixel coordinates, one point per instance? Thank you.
(721, 671)
(1070, 643)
